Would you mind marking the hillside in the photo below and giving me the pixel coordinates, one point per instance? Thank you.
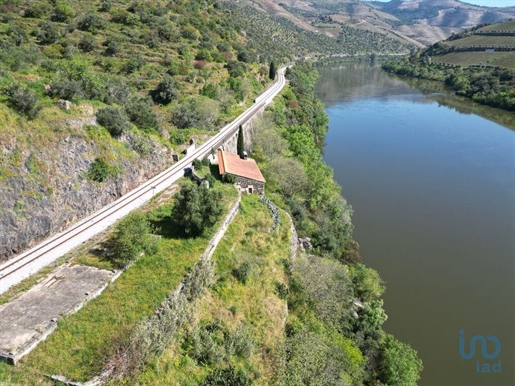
(420, 22)
(97, 97)
(257, 316)
(478, 63)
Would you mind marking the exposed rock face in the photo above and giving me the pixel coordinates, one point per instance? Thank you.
(43, 199)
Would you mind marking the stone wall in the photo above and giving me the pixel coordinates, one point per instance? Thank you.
(246, 185)
(249, 130)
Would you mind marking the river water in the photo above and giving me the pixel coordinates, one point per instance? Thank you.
(431, 178)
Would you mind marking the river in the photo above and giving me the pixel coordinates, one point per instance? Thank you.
(431, 178)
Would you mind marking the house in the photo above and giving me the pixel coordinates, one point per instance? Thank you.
(248, 176)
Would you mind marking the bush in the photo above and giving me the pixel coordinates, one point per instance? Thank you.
(141, 114)
(100, 170)
(196, 208)
(112, 47)
(23, 100)
(47, 33)
(66, 89)
(199, 112)
(230, 178)
(399, 363)
(62, 13)
(87, 43)
(37, 10)
(242, 272)
(229, 376)
(113, 119)
(165, 92)
(91, 22)
(134, 63)
(132, 236)
(211, 179)
(105, 5)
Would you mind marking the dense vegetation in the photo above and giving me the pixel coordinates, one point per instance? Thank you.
(141, 65)
(489, 85)
(333, 332)
(294, 41)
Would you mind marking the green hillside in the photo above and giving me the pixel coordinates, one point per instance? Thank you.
(478, 63)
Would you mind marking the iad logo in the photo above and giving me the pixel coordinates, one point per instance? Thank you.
(482, 367)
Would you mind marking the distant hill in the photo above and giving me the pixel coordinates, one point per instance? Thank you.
(478, 63)
(490, 45)
(417, 22)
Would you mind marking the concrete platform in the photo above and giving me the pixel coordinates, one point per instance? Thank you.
(33, 316)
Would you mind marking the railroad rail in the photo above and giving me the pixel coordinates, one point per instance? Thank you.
(29, 262)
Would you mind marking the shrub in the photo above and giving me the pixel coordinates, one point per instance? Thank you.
(199, 112)
(229, 376)
(112, 47)
(230, 178)
(132, 236)
(204, 54)
(197, 164)
(134, 63)
(165, 92)
(239, 342)
(141, 114)
(211, 179)
(62, 13)
(23, 100)
(87, 43)
(37, 10)
(105, 5)
(177, 137)
(100, 170)
(47, 33)
(196, 208)
(399, 363)
(235, 68)
(65, 89)
(113, 119)
(91, 22)
(242, 272)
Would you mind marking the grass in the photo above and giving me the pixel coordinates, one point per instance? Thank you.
(506, 26)
(483, 40)
(81, 340)
(502, 59)
(230, 302)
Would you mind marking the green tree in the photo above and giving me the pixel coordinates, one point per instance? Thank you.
(113, 119)
(400, 365)
(132, 236)
(240, 146)
(23, 100)
(290, 176)
(196, 112)
(196, 208)
(165, 91)
(141, 114)
(271, 73)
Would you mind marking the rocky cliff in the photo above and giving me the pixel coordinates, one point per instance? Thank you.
(44, 189)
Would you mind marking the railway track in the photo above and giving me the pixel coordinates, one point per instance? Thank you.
(29, 262)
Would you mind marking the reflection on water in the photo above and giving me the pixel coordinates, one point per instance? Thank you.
(433, 188)
(363, 81)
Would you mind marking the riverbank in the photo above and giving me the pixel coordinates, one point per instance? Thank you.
(430, 179)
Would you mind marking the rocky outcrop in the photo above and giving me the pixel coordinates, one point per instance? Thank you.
(48, 189)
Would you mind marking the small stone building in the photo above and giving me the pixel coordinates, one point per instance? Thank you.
(246, 170)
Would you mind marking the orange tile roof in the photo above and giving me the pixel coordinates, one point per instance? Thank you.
(233, 164)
